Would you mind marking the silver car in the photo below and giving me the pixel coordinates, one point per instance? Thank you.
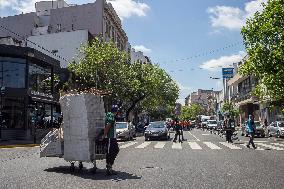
(157, 130)
(276, 129)
(125, 130)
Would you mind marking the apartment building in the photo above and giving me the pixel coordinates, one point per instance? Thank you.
(58, 24)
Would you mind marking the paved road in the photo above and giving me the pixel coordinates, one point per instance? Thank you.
(203, 161)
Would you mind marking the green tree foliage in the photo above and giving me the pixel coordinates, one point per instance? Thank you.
(145, 86)
(229, 109)
(191, 112)
(264, 41)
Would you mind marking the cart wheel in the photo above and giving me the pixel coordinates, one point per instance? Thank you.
(94, 169)
(80, 165)
(72, 167)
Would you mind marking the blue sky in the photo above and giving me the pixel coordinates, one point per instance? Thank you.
(174, 32)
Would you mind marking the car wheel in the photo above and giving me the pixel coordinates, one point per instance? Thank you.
(146, 138)
(278, 134)
(269, 134)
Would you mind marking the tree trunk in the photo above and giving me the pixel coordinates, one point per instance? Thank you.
(133, 106)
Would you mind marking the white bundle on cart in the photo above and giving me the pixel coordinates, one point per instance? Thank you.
(83, 120)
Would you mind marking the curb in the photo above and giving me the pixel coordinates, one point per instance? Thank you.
(19, 145)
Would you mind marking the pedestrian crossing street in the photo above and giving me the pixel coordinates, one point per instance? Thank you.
(198, 145)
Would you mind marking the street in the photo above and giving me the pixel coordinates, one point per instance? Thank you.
(203, 161)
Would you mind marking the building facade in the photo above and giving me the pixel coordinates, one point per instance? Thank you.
(138, 56)
(55, 20)
(27, 91)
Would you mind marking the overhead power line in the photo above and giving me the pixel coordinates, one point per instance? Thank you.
(206, 53)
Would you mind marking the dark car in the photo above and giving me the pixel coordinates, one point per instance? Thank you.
(157, 130)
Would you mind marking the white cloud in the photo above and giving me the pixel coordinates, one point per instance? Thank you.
(233, 18)
(20, 6)
(223, 61)
(142, 48)
(128, 8)
(7, 3)
(183, 93)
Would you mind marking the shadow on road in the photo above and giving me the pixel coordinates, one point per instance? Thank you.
(88, 174)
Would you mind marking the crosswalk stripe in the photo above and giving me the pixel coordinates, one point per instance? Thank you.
(160, 145)
(128, 144)
(143, 145)
(258, 148)
(212, 146)
(270, 146)
(176, 146)
(194, 146)
(231, 146)
(278, 144)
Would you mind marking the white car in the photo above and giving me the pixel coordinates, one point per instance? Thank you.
(211, 124)
(125, 130)
(276, 128)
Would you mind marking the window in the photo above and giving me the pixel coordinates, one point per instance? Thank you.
(40, 79)
(12, 72)
(13, 113)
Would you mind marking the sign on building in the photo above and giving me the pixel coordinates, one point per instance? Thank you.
(228, 72)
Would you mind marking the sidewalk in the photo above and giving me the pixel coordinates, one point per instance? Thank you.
(16, 143)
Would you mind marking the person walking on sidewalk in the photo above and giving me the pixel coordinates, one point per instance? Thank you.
(250, 130)
(110, 139)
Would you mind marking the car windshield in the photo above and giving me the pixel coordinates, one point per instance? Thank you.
(212, 122)
(121, 125)
(156, 125)
(281, 124)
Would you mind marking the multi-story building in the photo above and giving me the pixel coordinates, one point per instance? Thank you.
(205, 98)
(138, 56)
(240, 93)
(54, 23)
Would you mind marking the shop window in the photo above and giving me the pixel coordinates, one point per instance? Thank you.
(12, 72)
(13, 110)
(40, 79)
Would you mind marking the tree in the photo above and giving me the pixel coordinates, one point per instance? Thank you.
(107, 68)
(263, 37)
(192, 111)
(229, 109)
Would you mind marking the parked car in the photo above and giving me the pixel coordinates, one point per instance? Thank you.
(211, 124)
(276, 129)
(260, 131)
(157, 130)
(125, 130)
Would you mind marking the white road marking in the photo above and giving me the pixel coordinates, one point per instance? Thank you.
(194, 146)
(143, 145)
(258, 148)
(160, 145)
(270, 146)
(205, 134)
(128, 144)
(231, 146)
(193, 136)
(278, 144)
(176, 145)
(212, 146)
